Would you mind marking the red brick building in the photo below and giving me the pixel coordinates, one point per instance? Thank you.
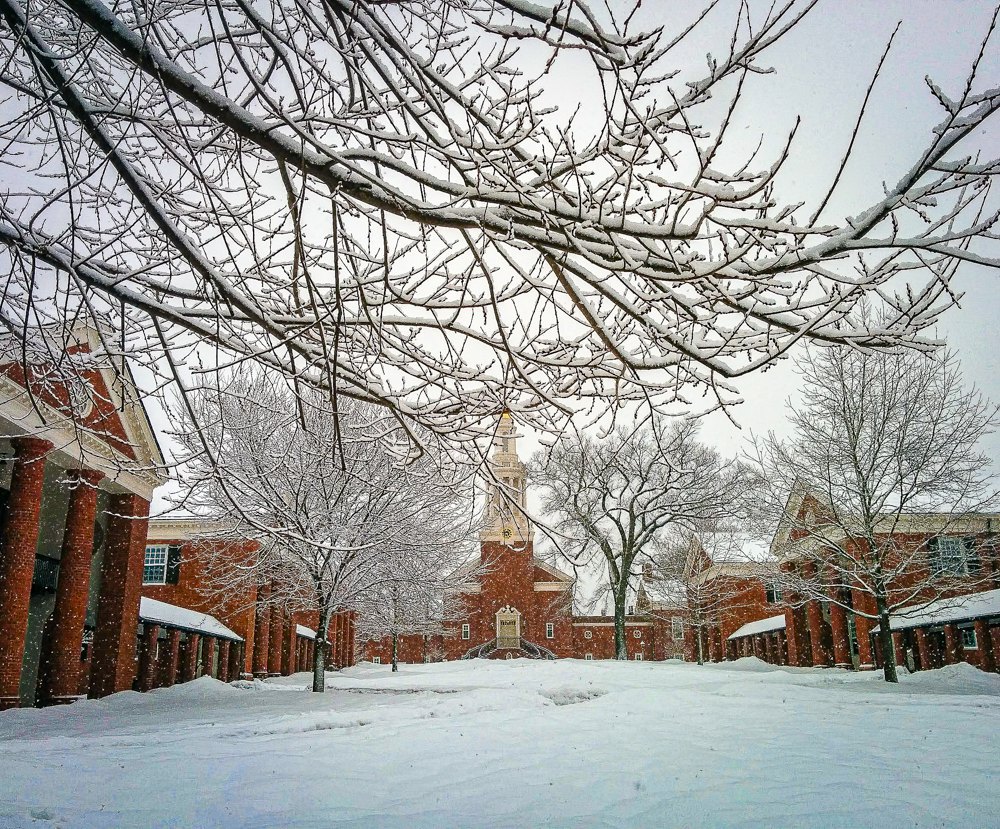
(963, 625)
(78, 466)
(270, 640)
(516, 605)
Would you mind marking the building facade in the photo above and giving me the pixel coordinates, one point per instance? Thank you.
(78, 467)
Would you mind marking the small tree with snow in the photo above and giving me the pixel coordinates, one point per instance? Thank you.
(882, 446)
(329, 494)
(609, 500)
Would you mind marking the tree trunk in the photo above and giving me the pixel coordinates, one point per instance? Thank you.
(395, 652)
(885, 641)
(701, 644)
(621, 652)
(319, 654)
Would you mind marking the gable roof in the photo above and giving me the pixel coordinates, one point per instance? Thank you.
(113, 434)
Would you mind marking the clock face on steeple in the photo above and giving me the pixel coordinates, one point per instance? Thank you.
(507, 533)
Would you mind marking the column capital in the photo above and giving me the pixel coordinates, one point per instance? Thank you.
(90, 477)
(30, 447)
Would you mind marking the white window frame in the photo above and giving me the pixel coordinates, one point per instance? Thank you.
(637, 657)
(466, 631)
(952, 556)
(550, 630)
(677, 629)
(376, 660)
(589, 657)
(155, 551)
(588, 634)
(973, 645)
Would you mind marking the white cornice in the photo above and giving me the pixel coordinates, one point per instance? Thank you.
(75, 448)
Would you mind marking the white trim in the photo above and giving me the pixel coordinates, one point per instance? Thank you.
(550, 586)
(303, 631)
(611, 624)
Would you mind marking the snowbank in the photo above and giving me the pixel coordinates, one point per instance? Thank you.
(516, 744)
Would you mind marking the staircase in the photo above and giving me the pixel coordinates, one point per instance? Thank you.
(529, 649)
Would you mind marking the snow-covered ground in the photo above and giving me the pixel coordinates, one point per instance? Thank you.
(518, 744)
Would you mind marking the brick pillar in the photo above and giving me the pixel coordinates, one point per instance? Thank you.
(170, 656)
(841, 640)
(147, 657)
(236, 661)
(333, 634)
(224, 645)
(288, 647)
(189, 658)
(208, 656)
(994, 640)
(718, 645)
(898, 649)
(351, 636)
(17, 561)
(277, 625)
(60, 669)
(923, 651)
(952, 645)
(261, 631)
(113, 668)
(987, 661)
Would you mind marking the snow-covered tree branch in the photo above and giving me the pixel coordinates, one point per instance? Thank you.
(396, 202)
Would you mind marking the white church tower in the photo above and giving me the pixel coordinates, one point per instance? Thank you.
(505, 521)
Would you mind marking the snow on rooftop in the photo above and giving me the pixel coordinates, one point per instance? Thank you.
(960, 609)
(157, 612)
(302, 630)
(760, 626)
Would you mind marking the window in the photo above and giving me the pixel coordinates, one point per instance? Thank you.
(465, 631)
(376, 660)
(588, 634)
(154, 565)
(638, 657)
(773, 594)
(952, 556)
(969, 641)
(677, 629)
(589, 657)
(637, 634)
(550, 630)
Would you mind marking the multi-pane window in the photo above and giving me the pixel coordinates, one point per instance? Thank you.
(550, 630)
(588, 634)
(773, 594)
(589, 657)
(465, 631)
(952, 556)
(677, 629)
(638, 657)
(969, 641)
(376, 660)
(154, 564)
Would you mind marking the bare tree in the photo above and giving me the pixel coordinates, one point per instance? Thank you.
(610, 500)
(884, 447)
(335, 510)
(708, 571)
(395, 202)
(417, 587)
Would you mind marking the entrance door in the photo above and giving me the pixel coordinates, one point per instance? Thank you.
(508, 628)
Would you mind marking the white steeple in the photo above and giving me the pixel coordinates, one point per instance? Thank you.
(505, 520)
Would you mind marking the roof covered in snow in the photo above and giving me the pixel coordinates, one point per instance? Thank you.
(302, 630)
(961, 609)
(760, 626)
(161, 613)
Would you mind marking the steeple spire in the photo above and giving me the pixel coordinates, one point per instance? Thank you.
(505, 519)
